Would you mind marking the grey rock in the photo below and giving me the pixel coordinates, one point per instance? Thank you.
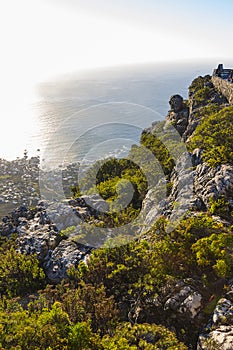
(219, 330)
(192, 304)
(223, 312)
(197, 157)
(38, 240)
(179, 119)
(219, 339)
(213, 182)
(65, 255)
(209, 84)
(185, 300)
(62, 215)
(96, 203)
(176, 103)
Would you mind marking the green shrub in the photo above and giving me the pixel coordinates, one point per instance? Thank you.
(215, 252)
(220, 207)
(19, 273)
(215, 136)
(142, 336)
(199, 83)
(24, 331)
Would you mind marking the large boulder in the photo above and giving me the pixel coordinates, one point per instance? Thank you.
(179, 114)
(176, 103)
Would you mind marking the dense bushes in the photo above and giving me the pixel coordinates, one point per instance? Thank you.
(214, 136)
(143, 266)
(19, 273)
(52, 329)
(142, 336)
(198, 84)
(118, 284)
(111, 179)
(200, 91)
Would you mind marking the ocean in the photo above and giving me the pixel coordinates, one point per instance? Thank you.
(82, 117)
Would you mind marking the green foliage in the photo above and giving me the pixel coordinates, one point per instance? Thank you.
(80, 336)
(108, 174)
(160, 151)
(84, 302)
(202, 96)
(220, 207)
(200, 92)
(121, 183)
(137, 270)
(142, 336)
(199, 83)
(24, 331)
(214, 136)
(52, 329)
(209, 309)
(215, 252)
(19, 273)
(206, 111)
(68, 231)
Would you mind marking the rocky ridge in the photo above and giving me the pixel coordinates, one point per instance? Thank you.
(195, 189)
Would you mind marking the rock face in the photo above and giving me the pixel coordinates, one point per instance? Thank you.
(181, 305)
(179, 114)
(176, 103)
(38, 235)
(192, 190)
(195, 107)
(213, 182)
(39, 232)
(194, 183)
(224, 87)
(40, 241)
(65, 255)
(184, 300)
(219, 330)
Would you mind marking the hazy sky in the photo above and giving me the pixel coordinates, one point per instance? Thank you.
(40, 38)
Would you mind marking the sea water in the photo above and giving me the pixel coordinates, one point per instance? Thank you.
(91, 115)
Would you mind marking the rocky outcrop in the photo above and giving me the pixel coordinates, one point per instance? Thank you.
(40, 232)
(66, 254)
(40, 240)
(192, 189)
(37, 234)
(219, 330)
(181, 306)
(224, 87)
(56, 252)
(179, 114)
(213, 183)
(207, 183)
(176, 103)
(184, 300)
